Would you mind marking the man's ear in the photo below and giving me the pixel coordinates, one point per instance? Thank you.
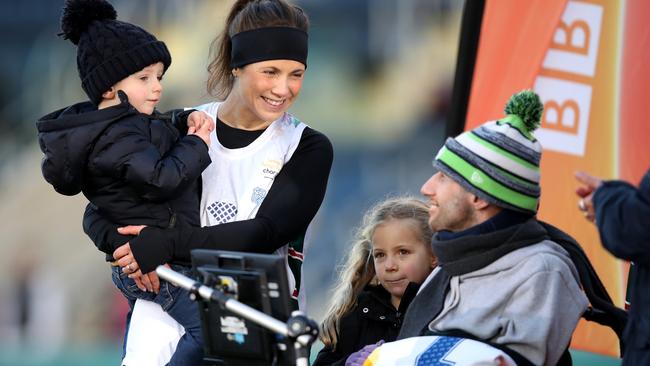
(109, 94)
(479, 203)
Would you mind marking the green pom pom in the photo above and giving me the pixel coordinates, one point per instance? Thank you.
(527, 106)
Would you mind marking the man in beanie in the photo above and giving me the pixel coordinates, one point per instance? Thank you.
(130, 162)
(500, 278)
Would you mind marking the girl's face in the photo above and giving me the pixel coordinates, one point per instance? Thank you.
(265, 90)
(400, 256)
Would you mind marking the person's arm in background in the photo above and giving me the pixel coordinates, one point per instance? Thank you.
(623, 219)
(287, 210)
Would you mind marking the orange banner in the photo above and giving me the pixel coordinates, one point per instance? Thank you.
(578, 83)
(588, 62)
(514, 38)
(634, 129)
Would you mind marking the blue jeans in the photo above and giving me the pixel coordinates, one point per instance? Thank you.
(177, 303)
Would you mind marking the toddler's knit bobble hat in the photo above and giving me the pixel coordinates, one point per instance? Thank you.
(108, 50)
(499, 160)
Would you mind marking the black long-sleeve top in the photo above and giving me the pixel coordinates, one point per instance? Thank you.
(285, 213)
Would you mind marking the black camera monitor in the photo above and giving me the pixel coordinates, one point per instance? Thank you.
(257, 280)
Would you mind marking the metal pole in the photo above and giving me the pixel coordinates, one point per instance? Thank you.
(467, 49)
(230, 304)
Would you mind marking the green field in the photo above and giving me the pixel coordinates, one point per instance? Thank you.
(109, 356)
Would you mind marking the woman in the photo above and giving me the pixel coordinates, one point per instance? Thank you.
(269, 170)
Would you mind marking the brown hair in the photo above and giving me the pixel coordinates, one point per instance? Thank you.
(247, 15)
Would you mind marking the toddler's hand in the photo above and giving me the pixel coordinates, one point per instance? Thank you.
(197, 118)
(200, 124)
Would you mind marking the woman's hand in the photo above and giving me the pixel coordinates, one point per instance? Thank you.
(125, 259)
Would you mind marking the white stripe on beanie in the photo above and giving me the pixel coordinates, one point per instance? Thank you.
(500, 160)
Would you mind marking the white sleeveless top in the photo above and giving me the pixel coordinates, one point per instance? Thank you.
(237, 181)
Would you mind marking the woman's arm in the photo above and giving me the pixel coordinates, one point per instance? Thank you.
(287, 210)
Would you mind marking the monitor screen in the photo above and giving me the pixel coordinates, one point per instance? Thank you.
(257, 280)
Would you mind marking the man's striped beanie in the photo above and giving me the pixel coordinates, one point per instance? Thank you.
(499, 160)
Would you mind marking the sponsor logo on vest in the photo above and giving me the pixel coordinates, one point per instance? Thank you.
(271, 168)
(222, 212)
(258, 195)
(272, 164)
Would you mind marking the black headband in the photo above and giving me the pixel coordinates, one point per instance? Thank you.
(271, 43)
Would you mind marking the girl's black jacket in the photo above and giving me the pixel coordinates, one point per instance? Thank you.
(135, 168)
(373, 319)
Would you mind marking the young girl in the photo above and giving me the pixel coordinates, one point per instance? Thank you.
(391, 250)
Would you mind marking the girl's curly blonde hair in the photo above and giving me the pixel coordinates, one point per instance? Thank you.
(359, 270)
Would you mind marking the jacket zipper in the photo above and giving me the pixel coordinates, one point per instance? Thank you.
(172, 218)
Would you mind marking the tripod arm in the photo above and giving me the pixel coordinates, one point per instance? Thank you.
(207, 293)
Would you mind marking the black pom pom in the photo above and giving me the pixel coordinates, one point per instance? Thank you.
(78, 14)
